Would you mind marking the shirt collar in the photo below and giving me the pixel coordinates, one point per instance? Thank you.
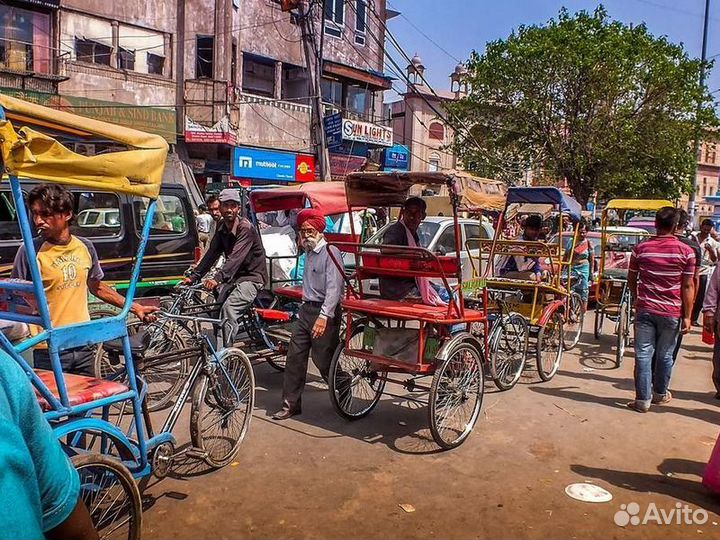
(321, 244)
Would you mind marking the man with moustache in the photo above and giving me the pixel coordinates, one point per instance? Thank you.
(317, 329)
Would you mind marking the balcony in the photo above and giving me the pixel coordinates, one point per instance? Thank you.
(258, 121)
(24, 66)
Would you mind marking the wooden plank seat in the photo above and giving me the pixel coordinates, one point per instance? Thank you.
(293, 293)
(80, 389)
(273, 315)
(409, 310)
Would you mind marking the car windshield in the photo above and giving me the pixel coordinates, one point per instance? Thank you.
(426, 232)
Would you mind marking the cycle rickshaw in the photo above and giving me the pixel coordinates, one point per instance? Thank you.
(109, 454)
(544, 308)
(617, 240)
(408, 338)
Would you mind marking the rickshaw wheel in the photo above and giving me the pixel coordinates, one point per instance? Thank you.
(277, 362)
(573, 322)
(165, 380)
(111, 495)
(355, 387)
(222, 405)
(456, 395)
(599, 320)
(508, 350)
(622, 338)
(549, 348)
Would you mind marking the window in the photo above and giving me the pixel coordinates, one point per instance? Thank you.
(332, 92)
(295, 83)
(358, 100)
(170, 216)
(233, 62)
(473, 234)
(126, 59)
(437, 131)
(93, 52)
(446, 242)
(25, 40)
(204, 54)
(360, 21)
(155, 63)
(97, 215)
(9, 226)
(334, 17)
(258, 75)
(710, 153)
(434, 163)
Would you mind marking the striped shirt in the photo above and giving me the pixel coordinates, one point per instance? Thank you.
(660, 263)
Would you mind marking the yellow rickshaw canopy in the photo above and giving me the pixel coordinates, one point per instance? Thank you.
(28, 153)
(637, 204)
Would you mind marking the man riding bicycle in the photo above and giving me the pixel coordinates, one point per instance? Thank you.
(243, 273)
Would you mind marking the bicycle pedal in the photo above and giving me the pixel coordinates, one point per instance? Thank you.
(196, 453)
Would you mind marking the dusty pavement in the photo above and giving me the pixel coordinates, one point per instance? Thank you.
(318, 476)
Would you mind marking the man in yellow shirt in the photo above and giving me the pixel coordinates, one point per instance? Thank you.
(70, 269)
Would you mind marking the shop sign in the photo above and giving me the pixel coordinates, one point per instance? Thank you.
(220, 133)
(365, 132)
(397, 158)
(272, 165)
(341, 165)
(333, 130)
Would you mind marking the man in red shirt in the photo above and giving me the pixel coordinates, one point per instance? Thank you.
(661, 279)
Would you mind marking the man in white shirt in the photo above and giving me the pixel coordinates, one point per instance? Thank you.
(204, 222)
(710, 249)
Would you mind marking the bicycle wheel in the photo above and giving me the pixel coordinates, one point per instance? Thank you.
(456, 395)
(599, 320)
(355, 387)
(549, 347)
(508, 350)
(622, 334)
(165, 378)
(222, 406)
(574, 319)
(111, 495)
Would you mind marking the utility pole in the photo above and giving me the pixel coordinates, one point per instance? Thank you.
(698, 127)
(313, 59)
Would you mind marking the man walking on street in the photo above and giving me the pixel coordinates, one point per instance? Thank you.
(709, 248)
(661, 280)
(213, 206)
(318, 326)
(243, 273)
(204, 222)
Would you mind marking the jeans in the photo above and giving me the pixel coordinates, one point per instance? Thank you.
(699, 297)
(236, 303)
(655, 336)
(78, 361)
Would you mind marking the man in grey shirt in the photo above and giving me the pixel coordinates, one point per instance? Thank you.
(317, 329)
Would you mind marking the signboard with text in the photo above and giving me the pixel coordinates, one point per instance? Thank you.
(261, 164)
(333, 130)
(365, 132)
(397, 158)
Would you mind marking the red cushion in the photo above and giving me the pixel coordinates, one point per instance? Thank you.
(273, 314)
(409, 310)
(80, 389)
(290, 292)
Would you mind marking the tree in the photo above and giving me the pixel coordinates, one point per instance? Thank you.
(604, 105)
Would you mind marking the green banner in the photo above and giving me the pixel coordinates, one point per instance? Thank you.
(142, 117)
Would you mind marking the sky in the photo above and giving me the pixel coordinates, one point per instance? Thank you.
(458, 27)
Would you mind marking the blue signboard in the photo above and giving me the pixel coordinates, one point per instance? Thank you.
(333, 130)
(264, 164)
(397, 158)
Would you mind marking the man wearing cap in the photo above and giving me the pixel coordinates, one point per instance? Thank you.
(243, 273)
(317, 329)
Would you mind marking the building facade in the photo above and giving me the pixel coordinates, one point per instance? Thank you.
(416, 123)
(208, 75)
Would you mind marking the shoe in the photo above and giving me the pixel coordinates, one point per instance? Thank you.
(660, 399)
(284, 414)
(637, 407)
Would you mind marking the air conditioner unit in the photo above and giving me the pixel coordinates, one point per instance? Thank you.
(85, 149)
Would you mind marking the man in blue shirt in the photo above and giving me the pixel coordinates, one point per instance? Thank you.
(39, 487)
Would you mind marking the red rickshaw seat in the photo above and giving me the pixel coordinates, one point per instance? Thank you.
(294, 293)
(80, 389)
(409, 310)
(273, 315)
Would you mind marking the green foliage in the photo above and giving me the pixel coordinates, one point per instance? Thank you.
(607, 106)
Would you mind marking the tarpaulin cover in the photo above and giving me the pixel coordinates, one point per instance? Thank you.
(545, 195)
(637, 204)
(328, 197)
(29, 154)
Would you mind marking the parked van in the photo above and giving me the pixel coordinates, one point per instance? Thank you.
(113, 223)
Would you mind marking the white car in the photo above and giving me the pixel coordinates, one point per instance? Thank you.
(99, 217)
(437, 234)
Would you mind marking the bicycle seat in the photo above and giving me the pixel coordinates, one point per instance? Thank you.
(139, 343)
